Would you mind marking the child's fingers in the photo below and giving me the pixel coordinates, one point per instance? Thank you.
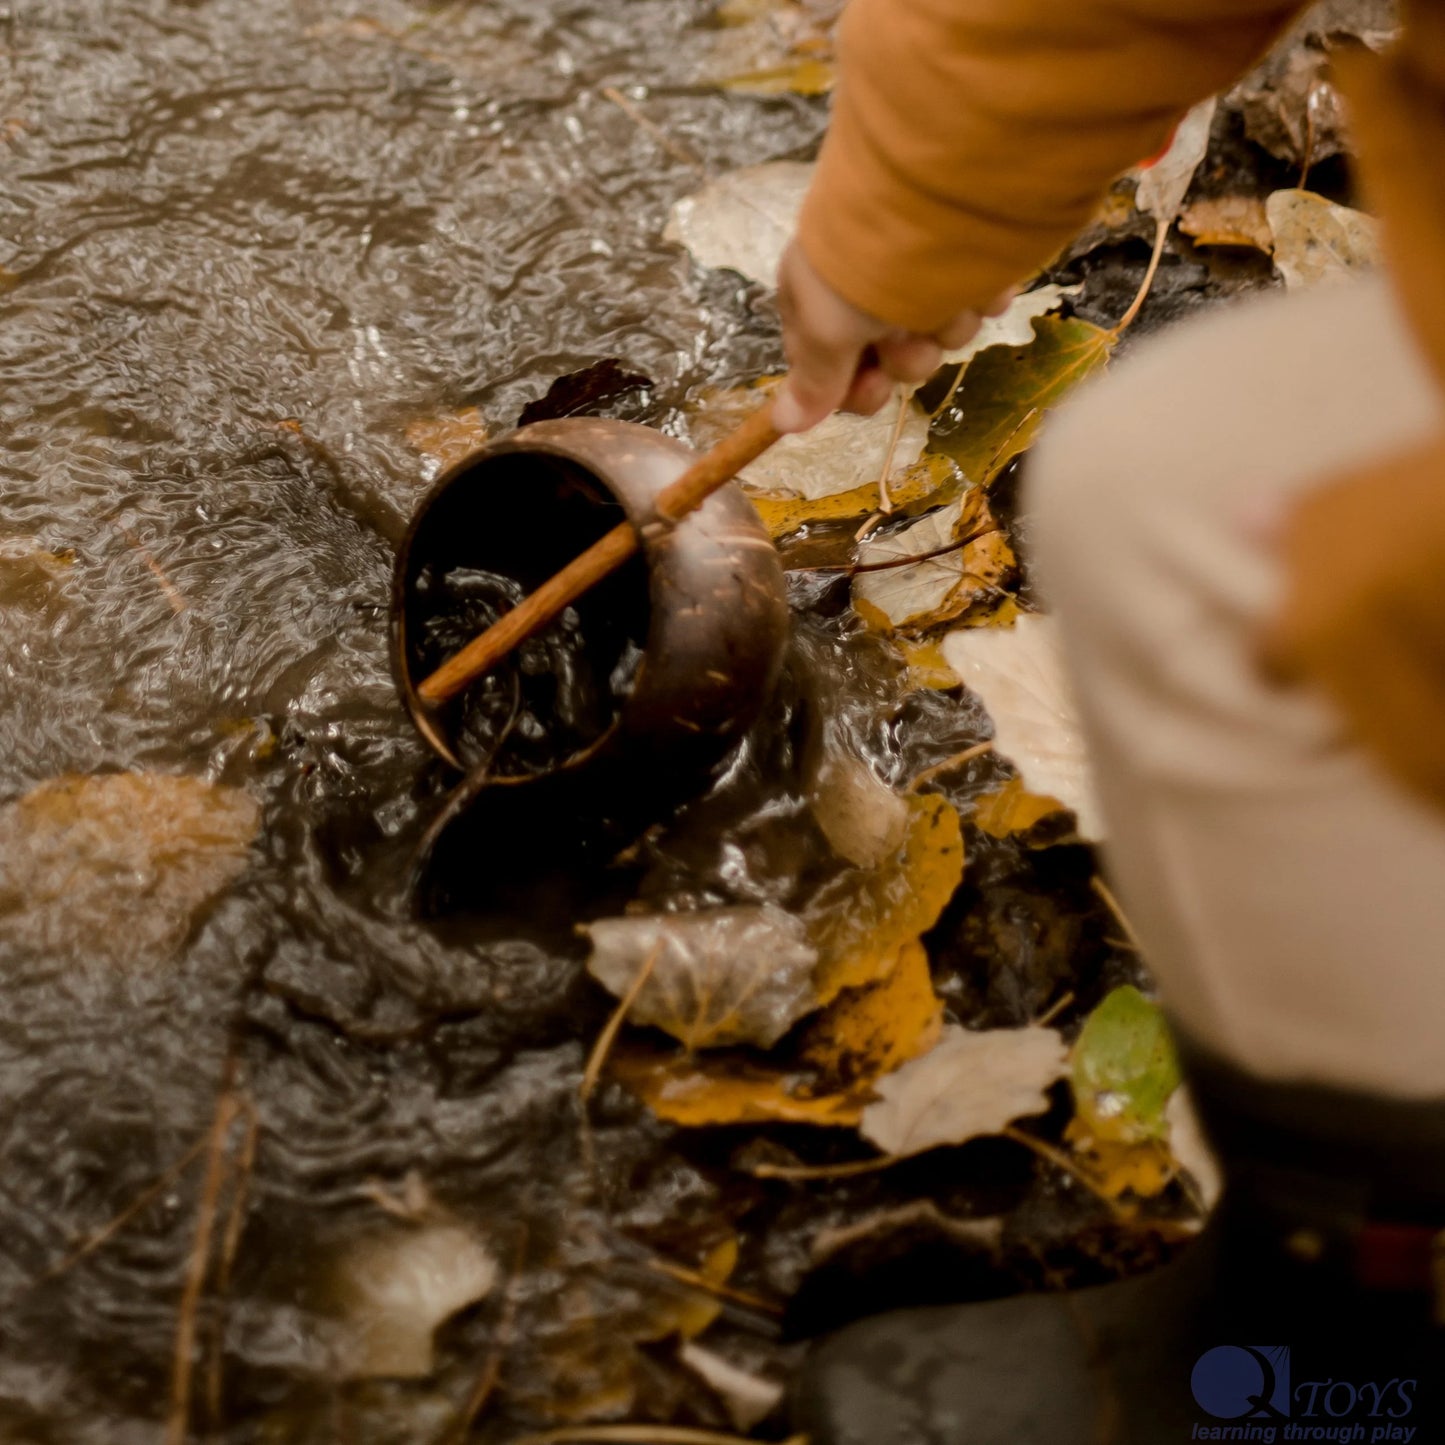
(908, 358)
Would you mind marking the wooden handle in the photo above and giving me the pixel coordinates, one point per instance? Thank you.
(709, 472)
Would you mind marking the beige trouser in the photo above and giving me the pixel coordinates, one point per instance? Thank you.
(1290, 897)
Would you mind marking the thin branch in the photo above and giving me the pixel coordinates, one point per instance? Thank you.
(693, 1280)
(885, 497)
(949, 764)
(182, 1371)
(1054, 1010)
(630, 110)
(1114, 907)
(107, 1232)
(491, 1373)
(172, 593)
(244, 1167)
(1161, 237)
(824, 1171)
(608, 1036)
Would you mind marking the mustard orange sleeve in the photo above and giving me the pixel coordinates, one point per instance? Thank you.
(971, 138)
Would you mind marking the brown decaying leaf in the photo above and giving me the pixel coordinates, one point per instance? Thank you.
(721, 976)
(721, 1089)
(869, 1032)
(1228, 221)
(969, 1085)
(1011, 809)
(930, 593)
(118, 868)
(1164, 183)
(1317, 242)
(861, 920)
(449, 437)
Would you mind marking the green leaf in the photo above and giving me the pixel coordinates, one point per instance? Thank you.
(1124, 1069)
(1007, 391)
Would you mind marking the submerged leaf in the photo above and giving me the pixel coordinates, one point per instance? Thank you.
(719, 976)
(969, 1085)
(1007, 391)
(1011, 809)
(722, 1089)
(392, 1289)
(118, 868)
(1019, 674)
(743, 220)
(1317, 242)
(861, 920)
(448, 438)
(931, 592)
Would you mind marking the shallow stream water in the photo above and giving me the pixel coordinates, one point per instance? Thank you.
(243, 243)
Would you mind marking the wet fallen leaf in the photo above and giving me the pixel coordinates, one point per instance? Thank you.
(748, 1398)
(928, 667)
(969, 1085)
(603, 389)
(1317, 242)
(931, 592)
(868, 1032)
(839, 455)
(118, 868)
(448, 438)
(1011, 809)
(1124, 1070)
(1228, 221)
(688, 1313)
(1164, 183)
(743, 220)
(722, 1089)
(861, 920)
(393, 1288)
(1007, 391)
(719, 976)
(860, 815)
(1016, 326)
(931, 480)
(1019, 674)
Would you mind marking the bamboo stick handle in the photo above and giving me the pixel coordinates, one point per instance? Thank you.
(712, 470)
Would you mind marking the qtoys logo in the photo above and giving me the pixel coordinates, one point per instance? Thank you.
(1249, 1386)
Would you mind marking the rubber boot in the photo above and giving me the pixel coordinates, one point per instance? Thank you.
(1308, 1309)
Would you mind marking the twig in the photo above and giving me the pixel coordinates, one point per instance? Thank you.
(639, 1435)
(230, 1242)
(608, 1036)
(852, 569)
(951, 392)
(824, 1171)
(885, 497)
(631, 111)
(173, 593)
(227, 1109)
(693, 1280)
(1060, 1160)
(1054, 1010)
(1161, 236)
(875, 519)
(1114, 907)
(492, 1369)
(949, 764)
(107, 1232)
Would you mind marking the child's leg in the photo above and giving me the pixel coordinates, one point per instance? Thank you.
(1290, 897)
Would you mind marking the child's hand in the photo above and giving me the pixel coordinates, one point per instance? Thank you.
(840, 357)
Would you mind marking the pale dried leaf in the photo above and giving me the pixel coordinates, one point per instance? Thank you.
(749, 1399)
(860, 815)
(720, 976)
(969, 1085)
(1016, 326)
(1191, 1149)
(1317, 242)
(1164, 184)
(743, 220)
(392, 1289)
(118, 868)
(838, 455)
(1019, 674)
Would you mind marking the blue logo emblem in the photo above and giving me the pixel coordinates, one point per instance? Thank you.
(1243, 1382)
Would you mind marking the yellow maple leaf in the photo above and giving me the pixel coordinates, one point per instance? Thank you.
(1011, 809)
